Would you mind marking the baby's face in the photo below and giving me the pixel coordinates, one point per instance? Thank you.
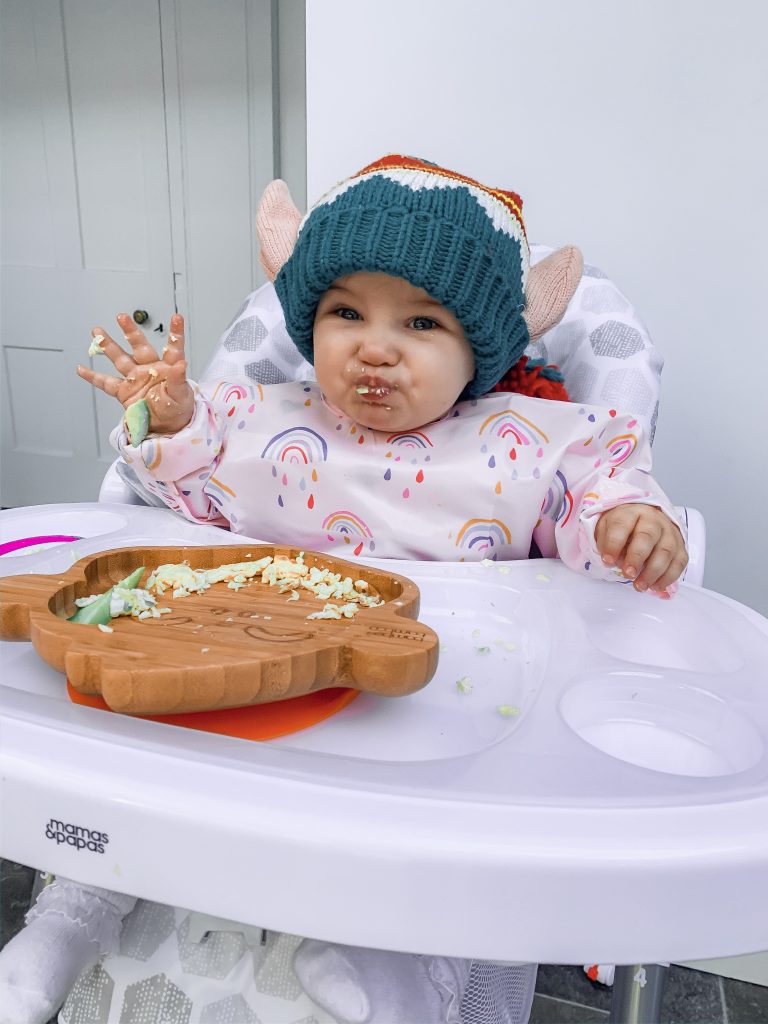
(386, 354)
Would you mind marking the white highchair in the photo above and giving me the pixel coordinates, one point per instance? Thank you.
(606, 357)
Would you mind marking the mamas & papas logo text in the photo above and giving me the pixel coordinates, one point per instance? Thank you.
(76, 835)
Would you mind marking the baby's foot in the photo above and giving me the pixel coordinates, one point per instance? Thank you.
(40, 965)
(370, 986)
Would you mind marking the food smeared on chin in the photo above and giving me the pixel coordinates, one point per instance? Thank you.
(137, 422)
(343, 596)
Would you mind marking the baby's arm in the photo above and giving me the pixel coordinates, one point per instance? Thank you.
(616, 520)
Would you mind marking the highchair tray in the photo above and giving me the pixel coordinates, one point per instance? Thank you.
(233, 644)
(584, 757)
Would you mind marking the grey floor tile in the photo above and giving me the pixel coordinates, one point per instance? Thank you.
(691, 997)
(745, 1004)
(546, 1010)
(16, 882)
(571, 984)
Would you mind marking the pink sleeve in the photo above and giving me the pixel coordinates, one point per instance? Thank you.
(177, 467)
(609, 468)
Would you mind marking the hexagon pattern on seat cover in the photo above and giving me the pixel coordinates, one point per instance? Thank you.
(160, 974)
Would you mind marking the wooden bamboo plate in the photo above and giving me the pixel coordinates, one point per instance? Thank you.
(222, 648)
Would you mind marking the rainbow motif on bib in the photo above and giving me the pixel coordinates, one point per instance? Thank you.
(482, 535)
(299, 445)
(411, 439)
(590, 499)
(236, 392)
(217, 491)
(151, 453)
(349, 528)
(558, 503)
(511, 426)
(621, 448)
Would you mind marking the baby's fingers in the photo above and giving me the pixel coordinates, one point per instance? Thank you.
(645, 556)
(119, 357)
(612, 532)
(176, 385)
(666, 562)
(143, 352)
(673, 572)
(109, 385)
(174, 350)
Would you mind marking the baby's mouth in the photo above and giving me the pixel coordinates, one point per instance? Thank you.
(373, 389)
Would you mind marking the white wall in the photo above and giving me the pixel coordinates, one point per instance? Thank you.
(637, 131)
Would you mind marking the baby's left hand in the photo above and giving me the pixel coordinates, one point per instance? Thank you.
(644, 543)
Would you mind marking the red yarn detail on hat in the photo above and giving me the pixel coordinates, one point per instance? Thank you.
(396, 161)
(530, 382)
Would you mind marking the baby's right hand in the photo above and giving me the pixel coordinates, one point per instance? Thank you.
(160, 380)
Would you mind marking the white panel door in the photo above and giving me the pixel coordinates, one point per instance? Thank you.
(86, 226)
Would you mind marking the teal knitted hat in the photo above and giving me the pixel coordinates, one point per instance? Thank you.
(461, 242)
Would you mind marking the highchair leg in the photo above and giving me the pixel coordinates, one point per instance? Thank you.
(637, 992)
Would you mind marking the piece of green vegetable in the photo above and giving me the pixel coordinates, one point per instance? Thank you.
(507, 710)
(97, 612)
(137, 422)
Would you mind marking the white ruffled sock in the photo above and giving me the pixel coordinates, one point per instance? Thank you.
(67, 930)
(371, 986)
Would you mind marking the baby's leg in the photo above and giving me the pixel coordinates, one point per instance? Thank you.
(67, 930)
(358, 985)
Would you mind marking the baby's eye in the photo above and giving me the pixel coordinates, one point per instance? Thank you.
(423, 323)
(348, 314)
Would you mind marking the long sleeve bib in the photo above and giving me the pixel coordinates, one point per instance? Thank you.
(277, 462)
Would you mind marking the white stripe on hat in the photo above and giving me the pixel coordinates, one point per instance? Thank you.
(500, 217)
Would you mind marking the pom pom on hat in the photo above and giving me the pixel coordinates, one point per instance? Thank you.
(532, 377)
(461, 242)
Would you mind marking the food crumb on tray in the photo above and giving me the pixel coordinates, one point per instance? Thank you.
(507, 710)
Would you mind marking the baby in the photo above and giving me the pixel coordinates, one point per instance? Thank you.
(408, 287)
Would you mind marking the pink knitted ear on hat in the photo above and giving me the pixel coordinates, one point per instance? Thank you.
(550, 287)
(277, 225)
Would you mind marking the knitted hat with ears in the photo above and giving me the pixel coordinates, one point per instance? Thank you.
(461, 242)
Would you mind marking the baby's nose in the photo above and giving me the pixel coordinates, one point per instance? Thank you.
(377, 348)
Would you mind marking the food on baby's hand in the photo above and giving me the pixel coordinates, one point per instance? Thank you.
(97, 609)
(95, 348)
(137, 422)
